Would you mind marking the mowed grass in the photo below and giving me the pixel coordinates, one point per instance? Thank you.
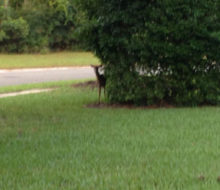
(51, 141)
(44, 85)
(60, 59)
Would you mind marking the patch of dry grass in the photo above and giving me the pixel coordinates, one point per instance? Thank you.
(60, 59)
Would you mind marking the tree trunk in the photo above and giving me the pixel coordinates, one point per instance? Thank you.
(25, 4)
(6, 3)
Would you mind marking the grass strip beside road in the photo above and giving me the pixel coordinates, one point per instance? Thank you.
(56, 84)
(60, 59)
(52, 141)
(18, 88)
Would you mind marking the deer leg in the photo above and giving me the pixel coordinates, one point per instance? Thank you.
(99, 93)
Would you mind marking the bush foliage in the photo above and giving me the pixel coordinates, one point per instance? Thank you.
(48, 24)
(13, 34)
(156, 52)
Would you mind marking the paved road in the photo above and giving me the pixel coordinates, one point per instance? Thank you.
(27, 76)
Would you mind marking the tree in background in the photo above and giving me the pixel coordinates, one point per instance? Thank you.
(51, 25)
(6, 3)
(13, 31)
(156, 52)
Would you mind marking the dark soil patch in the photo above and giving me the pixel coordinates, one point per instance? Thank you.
(132, 106)
(93, 84)
(89, 84)
(126, 106)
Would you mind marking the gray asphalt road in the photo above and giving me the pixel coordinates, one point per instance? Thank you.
(27, 76)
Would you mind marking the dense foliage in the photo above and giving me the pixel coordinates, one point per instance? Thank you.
(37, 25)
(156, 52)
(13, 34)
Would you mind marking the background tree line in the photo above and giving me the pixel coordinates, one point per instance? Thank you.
(37, 25)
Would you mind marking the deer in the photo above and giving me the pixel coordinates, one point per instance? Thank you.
(101, 80)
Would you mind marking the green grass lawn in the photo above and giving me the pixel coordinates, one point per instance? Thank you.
(12, 61)
(56, 84)
(51, 141)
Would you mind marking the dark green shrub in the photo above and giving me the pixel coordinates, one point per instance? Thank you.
(5, 13)
(16, 4)
(38, 37)
(154, 52)
(51, 24)
(63, 24)
(12, 35)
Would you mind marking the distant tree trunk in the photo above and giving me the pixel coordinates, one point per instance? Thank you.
(6, 3)
(26, 2)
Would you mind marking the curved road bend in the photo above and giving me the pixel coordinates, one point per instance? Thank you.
(27, 76)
